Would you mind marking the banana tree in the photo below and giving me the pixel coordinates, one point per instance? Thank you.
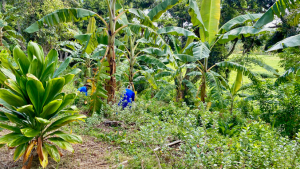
(219, 84)
(207, 20)
(114, 7)
(33, 100)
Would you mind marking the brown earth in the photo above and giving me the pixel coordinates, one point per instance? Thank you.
(92, 154)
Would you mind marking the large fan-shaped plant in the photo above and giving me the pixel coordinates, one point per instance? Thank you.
(33, 100)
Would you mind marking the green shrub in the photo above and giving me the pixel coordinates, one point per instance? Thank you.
(33, 100)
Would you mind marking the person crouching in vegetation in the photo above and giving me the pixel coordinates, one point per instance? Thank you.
(127, 98)
(84, 89)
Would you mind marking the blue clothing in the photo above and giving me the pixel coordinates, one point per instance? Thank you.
(128, 97)
(83, 89)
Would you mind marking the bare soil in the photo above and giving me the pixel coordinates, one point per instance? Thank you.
(92, 154)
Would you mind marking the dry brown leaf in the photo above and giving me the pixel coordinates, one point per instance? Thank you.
(28, 151)
(39, 148)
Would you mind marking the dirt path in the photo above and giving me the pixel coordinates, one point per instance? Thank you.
(89, 155)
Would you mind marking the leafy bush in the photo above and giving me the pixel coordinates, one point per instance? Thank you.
(33, 101)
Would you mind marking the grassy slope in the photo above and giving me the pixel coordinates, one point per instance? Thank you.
(271, 60)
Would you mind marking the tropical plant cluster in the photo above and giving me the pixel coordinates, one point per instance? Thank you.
(220, 78)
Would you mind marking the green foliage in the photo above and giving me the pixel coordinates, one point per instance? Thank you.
(33, 99)
(98, 91)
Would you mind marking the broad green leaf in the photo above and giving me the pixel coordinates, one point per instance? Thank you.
(161, 8)
(19, 141)
(14, 86)
(96, 103)
(71, 138)
(16, 119)
(177, 31)
(68, 78)
(279, 8)
(34, 50)
(42, 121)
(20, 150)
(53, 87)
(21, 59)
(8, 73)
(194, 12)
(150, 79)
(67, 100)
(11, 128)
(164, 91)
(185, 58)
(62, 67)
(200, 51)
(154, 51)
(11, 98)
(237, 83)
(61, 143)
(53, 152)
(51, 108)
(61, 16)
(27, 109)
(286, 76)
(152, 60)
(75, 71)
(64, 120)
(36, 93)
(244, 31)
(33, 68)
(210, 13)
(285, 43)
(48, 72)
(52, 57)
(30, 132)
(142, 17)
(194, 73)
(6, 139)
(241, 19)
(163, 74)
(238, 67)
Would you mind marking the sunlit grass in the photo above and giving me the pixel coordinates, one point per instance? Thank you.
(271, 60)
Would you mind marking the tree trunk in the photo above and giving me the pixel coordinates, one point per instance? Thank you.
(111, 56)
(203, 81)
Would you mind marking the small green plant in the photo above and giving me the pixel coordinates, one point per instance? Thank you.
(33, 101)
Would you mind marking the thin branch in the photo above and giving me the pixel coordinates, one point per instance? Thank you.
(115, 33)
(211, 67)
(156, 158)
(136, 72)
(232, 49)
(201, 64)
(135, 46)
(127, 58)
(137, 54)
(102, 20)
(104, 56)
(120, 15)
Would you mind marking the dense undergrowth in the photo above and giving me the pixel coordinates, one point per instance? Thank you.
(210, 139)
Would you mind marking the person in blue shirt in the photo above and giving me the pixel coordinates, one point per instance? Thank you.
(127, 98)
(84, 89)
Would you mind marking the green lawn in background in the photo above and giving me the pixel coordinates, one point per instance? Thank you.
(271, 60)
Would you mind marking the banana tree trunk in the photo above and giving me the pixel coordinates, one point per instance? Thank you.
(203, 81)
(111, 56)
(131, 63)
